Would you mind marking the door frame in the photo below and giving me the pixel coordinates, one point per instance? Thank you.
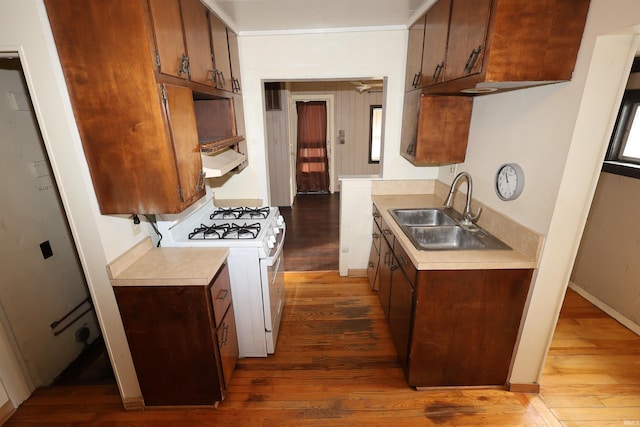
(293, 136)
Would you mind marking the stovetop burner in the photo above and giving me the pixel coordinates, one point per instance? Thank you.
(239, 213)
(225, 231)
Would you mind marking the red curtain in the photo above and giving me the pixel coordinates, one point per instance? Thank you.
(312, 165)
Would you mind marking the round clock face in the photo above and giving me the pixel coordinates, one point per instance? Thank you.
(509, 181)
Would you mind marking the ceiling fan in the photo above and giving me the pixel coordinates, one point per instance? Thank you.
(364, 87)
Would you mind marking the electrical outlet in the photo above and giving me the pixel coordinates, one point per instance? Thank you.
(452, 169)
(135, 228)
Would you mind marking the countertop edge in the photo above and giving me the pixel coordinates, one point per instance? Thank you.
(447, 260)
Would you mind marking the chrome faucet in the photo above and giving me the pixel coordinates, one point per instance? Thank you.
(467, 217)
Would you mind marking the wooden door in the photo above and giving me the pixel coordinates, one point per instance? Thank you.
(228, 345)
(400, 313)
(384, 271)
(234, 57)
(181, 121)
(196, 33)
(414, 55)
(467, 35)
(167, 30)
(220, 47)
(436, 32)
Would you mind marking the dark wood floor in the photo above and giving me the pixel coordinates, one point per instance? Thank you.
(335, 365)
(313, 233)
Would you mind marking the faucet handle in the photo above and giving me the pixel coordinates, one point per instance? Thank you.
(472, 218)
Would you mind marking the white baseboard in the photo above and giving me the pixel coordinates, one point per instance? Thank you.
(630, 324)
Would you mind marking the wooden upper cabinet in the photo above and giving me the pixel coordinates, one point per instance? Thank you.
(436, 31)
(467, 37)
(196, 34)
(181, 122)
(171, 53)
(181, 34)
(234, 56)
(503, 44)
(414, 55)
(140, 148)
(441, 132)
(220, 45)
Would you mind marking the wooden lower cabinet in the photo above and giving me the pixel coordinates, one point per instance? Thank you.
(374, 258)
(182, 339)
(465, 326)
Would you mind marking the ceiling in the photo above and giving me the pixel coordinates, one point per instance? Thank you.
(290, 16)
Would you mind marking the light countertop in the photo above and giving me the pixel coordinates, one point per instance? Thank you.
(453, 259)
(144, 265)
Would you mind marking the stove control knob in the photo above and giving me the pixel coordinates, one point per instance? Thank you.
(280, 220)
(271, 243)
(276, 229)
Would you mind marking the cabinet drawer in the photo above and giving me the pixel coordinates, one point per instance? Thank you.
(221, 294)
(405, 263)
(228, 345)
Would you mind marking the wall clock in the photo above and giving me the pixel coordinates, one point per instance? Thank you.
(509, 181)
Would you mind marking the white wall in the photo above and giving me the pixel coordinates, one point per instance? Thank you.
(24, 29)
(345, 55)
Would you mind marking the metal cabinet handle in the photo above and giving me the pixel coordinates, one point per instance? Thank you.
(393, 267)
(473, 57)
(371, 264)
(375, 236)
(416, 79)
(184, 66)
(402, 260)
(376, 215)
(225, 335)
(223, 294)
(437, 72)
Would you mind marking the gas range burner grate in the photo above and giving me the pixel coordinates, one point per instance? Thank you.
(215, 231)
(225, 231)
(239, 213)
(245, 231)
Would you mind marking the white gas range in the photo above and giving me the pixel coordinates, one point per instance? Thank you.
(255, 237)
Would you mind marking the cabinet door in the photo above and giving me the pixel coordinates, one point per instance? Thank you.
(234, 57)
(467, 35)
(443, 129)
(401, 313)
(372, 268)
(228, 345)
(181, 121)
(385, 268)
(436, 31)
(196, 33)
(221, 59)
(167, 30)
(414, 55)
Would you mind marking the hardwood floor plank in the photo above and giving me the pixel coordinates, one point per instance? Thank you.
(336, 365)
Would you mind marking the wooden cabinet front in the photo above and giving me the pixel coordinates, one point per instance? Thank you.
(465, 327)
(221, 58)
(436, 32)
(234, 57)
(166, 22)
(414, 55)
(467, 36)
(181, 122)
(442, 130)
(196, 35)
(181, 356)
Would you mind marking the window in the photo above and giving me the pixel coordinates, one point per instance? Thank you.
(375, 133)
(623, 155)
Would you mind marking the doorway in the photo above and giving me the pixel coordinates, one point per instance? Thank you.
(45, 308)
(312, 159)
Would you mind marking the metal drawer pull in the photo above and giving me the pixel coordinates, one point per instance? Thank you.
(225, 335)
(223, 294)
(402, 260)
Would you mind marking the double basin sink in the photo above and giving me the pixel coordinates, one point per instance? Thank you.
(440, 229)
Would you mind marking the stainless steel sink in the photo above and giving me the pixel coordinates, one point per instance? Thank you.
(426, 217)
(440, 229)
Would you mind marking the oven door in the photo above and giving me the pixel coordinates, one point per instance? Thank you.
(272, 271)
